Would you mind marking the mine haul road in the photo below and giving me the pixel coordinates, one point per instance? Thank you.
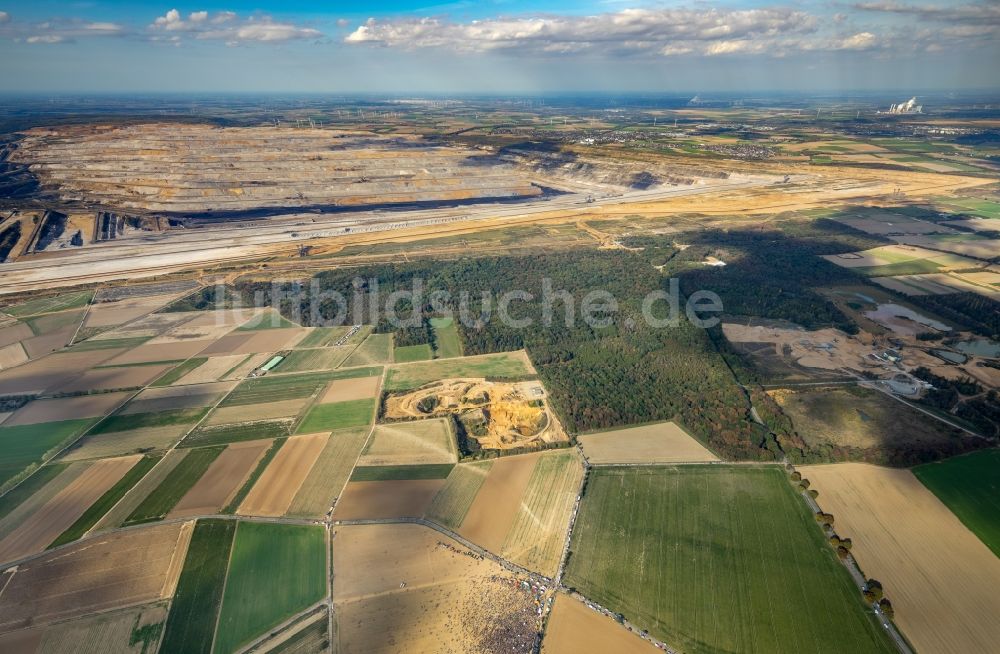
(233, 241)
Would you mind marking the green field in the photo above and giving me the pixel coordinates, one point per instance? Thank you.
(48, 304)
(456, 496)
(275, 387)
(984, 208)
(53, 322)
(108, 500)
(716, 559)
(275, 572)
(446, 338)
(158, 503)
(223, 434)
(117, 423)
(326, 358)
(12, 499)
(377, 348)
(503, 365)
(109, 343)
(24, 445)
(337, 415)
(323, 337)
(410, 353)
(912, 267)
(193, 613)
(174, 374)
(970, 486)
(397, 473)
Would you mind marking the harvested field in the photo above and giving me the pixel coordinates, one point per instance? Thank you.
(399, 473)
(407, 587)
(281, 481)
(663, 442)
(268, 340)
(499, 500)
(285, 409)
(377, 348)
(66, 408)
(195, 609)
(326, 358)
(538, 533)
(59, 513)
(343, 390)
(453, 501)
(199, 370)
(410, 443)
(373, 500)
(23, 502)
(941, 579)
(12, 355)
(275, 571)
(668, 546)
(120, 443)
(101, 573)
(109, 314)
(970, 486)
(573, 628)
(101, 379)
(104, 504)
(11, 334)
(337, 415)
(323, 336)
(169, 398)
(176, 485)
(979, 248)
(413, 375)
(24, 447)
(129, 631)
(50, 372)
(329, 474)
(221, 480)
(151, 351)
(117, 516)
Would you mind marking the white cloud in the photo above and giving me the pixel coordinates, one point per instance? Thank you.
(228, 27)
(45, 38)
(60, 30)
(859, 41)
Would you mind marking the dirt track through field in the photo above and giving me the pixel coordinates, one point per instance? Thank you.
(59, 513)
(941, 579)
(222, 479)
(273, 493)
(496, 505)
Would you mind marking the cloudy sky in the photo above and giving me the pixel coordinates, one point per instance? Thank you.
(499, 46)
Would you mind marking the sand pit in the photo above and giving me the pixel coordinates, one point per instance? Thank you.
(373, 500)
(498, 501)
(821, 349)
(942, 580)
(153, 400)
(220, 482)
(342, 390)
(277, 486)
(60, 512)
(100, 379)
(67, 408)
(98, 574)
(663, 442)
(573, 628)
(249, 413)
(408, 588)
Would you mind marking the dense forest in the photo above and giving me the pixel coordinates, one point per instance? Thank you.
(970, 311)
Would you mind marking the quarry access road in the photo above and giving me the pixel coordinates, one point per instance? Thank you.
(232, 242)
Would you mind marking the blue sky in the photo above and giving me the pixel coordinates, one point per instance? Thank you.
(498, 46)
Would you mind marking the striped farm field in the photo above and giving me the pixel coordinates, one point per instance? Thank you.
(329, 474)
(452, 502)
(538, 534)
(716, 558)
(170, 491)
